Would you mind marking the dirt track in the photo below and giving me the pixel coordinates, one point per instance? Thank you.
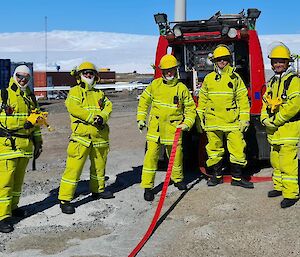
(220, 221)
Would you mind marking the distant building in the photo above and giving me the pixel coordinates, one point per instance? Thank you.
(56, 79)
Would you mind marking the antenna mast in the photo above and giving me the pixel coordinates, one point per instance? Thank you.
(180, 10)
(46, 44)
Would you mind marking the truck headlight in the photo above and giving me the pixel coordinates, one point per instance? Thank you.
(232, 33)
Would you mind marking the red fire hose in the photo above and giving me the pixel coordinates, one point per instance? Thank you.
(155, 218)
(162, 196)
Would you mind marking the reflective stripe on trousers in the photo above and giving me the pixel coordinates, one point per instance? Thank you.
(235, 145)
(284, 160)
(12, 173)
(77, 155)
(150, 164)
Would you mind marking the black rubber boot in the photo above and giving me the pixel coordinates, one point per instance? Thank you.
(181, 185)
(148, 195)
(274, 193)
(242, 183)
(214, 180)
(66, 207)
(237, 179)
(286, 202)
(19, 213)
(6, 226)
(103, 195)
(216, 172)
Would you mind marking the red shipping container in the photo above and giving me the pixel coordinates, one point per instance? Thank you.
(39, 81)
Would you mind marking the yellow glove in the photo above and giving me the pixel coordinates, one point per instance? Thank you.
(269, 124)
(183, 127)
(141, 125)
(244, 125)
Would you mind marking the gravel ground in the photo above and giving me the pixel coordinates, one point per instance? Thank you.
(221, 221)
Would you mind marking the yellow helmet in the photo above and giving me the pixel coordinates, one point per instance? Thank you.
(221, 51)
(280, 52)
(168, 61)
(86, 66)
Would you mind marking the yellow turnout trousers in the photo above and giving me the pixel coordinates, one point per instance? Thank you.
(284, 160)
(235, 145)
(150, 164)
(12, 173)
(77, 155)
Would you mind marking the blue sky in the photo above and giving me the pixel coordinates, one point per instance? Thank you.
(136, 16)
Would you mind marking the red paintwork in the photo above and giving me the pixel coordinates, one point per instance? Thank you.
(161, 50)
(218, 33)
(257, 72)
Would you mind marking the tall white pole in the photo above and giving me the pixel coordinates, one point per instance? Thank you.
(180, 10)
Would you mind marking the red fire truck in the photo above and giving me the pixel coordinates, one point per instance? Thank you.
(192, 43)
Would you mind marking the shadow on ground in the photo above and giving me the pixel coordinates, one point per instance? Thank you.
(123, 181)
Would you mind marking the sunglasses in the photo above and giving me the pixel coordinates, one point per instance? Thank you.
(222, 59)
(91, 72)
(21, 77)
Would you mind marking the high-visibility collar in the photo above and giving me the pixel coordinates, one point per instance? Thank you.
(226, 69)
(86, 87)
(285, 73)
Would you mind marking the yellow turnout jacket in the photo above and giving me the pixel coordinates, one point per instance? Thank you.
(19, 144)
(84, 105)
(286, 115)
(171, 104)
(223, 101)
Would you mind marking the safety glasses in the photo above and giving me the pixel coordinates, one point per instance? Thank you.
(222, 59)
(21, 77)
(91, 72)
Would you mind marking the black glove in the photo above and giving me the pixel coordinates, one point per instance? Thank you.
(28, 125)
(98, 120)
(38, 149)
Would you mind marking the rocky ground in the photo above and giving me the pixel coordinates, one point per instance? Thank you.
(221, 221)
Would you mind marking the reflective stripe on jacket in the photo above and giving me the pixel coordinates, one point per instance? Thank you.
(21, 105)
(171, 104)
(223, 100)
(288, 131)
(83, 106)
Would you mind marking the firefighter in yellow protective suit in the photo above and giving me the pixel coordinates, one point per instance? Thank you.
(223, 110)
(172, 106)
(16, 143)
(89, 111)
(280, 115)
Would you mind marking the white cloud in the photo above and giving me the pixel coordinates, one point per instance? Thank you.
(120, 52)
